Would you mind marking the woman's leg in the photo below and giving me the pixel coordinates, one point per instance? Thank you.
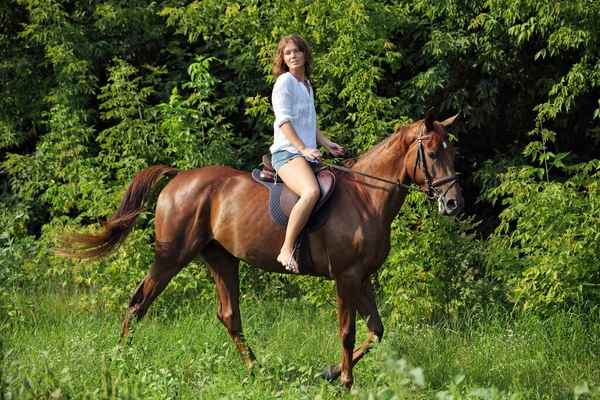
(300, 178)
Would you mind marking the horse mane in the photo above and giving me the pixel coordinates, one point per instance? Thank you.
(349, 162)
(434, 136)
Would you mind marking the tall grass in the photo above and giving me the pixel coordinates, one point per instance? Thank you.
(53, 349)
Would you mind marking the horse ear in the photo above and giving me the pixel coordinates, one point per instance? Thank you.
(447, 124)
(430, 119)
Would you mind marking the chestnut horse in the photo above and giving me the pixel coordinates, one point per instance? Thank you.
(221, 214)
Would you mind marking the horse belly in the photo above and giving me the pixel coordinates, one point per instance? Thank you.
(243, 226)
(354, 241)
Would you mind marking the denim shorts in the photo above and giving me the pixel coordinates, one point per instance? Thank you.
(279, 158)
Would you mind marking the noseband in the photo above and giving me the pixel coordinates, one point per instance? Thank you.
(431, 191)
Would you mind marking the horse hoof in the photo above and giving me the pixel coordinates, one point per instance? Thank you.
(349, 384)
(330, 373)
(253, 366)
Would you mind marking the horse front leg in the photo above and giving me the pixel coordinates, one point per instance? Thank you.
(346, 290)
(367, 308)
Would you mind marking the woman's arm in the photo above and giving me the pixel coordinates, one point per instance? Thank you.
(290, 133)
(334, 148)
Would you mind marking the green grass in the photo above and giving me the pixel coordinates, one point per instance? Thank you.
(54, 349)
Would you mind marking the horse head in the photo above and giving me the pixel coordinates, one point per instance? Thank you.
(430, 163)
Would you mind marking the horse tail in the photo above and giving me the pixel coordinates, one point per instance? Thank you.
(118, 227)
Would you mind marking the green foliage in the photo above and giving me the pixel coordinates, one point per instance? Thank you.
(561, 28)
(546, 247)
(195, 131)
(132, 143)
(435, 265)
(490, 353)
(91, 93)
(404, 381)
(348, 76)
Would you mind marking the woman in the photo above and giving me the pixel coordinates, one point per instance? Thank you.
(296, 136)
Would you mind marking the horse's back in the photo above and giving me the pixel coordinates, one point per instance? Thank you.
(215, 203)
(189, 185)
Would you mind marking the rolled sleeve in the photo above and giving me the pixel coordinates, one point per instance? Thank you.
(282, 102)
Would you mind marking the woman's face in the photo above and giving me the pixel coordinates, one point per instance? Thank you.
(293, 57)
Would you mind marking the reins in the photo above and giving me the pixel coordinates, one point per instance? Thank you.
(397, 183)
(431, 191)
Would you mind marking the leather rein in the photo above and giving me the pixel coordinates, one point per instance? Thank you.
(431, 191)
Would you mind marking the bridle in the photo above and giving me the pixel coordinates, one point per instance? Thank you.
(431, 191)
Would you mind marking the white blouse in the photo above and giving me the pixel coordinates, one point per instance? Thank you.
(293, 103)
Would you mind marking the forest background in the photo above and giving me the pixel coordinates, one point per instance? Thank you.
(92, 92)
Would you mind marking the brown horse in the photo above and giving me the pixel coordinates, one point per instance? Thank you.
(221, 215)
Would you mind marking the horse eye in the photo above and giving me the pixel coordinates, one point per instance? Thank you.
(431, 155)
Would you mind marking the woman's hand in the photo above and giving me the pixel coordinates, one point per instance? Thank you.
(335, 149)
(313, 154)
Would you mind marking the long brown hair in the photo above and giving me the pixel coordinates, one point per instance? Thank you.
(279, 67)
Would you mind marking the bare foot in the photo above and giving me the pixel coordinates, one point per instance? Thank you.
(286, 259)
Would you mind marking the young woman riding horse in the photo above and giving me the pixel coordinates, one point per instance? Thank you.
(221, 215)
(296, 136)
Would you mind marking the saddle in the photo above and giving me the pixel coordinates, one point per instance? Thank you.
(288, 199)
(282, 199)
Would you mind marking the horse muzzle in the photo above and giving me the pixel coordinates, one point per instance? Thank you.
(450, 205)
(450, 200)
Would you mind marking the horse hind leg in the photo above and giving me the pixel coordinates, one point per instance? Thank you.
(224, 268)
(165, 266)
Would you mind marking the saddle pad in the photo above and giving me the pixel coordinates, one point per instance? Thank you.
(316, 221)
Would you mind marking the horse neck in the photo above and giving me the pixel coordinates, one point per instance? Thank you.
(386, 160)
